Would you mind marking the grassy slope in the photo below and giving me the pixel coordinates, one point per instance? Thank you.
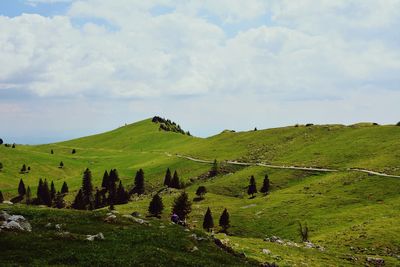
(343, 209)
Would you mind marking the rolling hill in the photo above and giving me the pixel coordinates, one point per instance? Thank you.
(352, 215)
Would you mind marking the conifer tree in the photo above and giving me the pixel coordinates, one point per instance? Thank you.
(29, 168)
(122, 195)
(52, 191)
(52, 152)
(46, 194)
(252, 189)
(156, 206)
(105, 182)
(59, 202)
(168, 177)
(1, 197)
(61, 165)
(208, 221)
(73, 151)
(139, 182)
(1, 141)
(214, 169)
(224, 221)
(13, 146)
(87, 187)
(39, 193)
(97, 199)
(21, 188)
(28, 196)
(79, 202)
(201, 191)
(265, 187)
(175, 183)
(64, 188)
(1, 166)
(182, 206)
(23, 169)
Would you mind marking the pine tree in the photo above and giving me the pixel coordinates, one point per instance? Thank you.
(168, 177)
(1, 166)
(112, 188)
(64, 188)
(214, 169)
(87, 187)
(29, 168)
(1, 141)
(61, 165)
(97, 199)
(21, 188)
(39, 193)
(79, 202)
(1, 197)
(156, 206)
(105, 182)
(175, 183)
(28, 196)
(59, 202)
(122, 195)
(52, 152)
(265, 187)
(23, 169)
(13, 146)
(208, 221)
(46, 194)
(73, 151)
(252, 189)
(201, 191)
(224, 221)
(182, 206)
(52, 191)
(139, 182)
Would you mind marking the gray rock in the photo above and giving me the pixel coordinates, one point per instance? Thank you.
(376, 261)
(99, 236)
(12, 225)
(266, 251)
(4, 216)
(111, 218)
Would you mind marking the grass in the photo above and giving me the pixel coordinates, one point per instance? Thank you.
(353, 215)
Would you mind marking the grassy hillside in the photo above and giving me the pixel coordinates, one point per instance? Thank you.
(352, 215)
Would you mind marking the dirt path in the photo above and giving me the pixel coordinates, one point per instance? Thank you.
(286, 167)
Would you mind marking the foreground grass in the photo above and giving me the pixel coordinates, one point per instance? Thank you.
(126, 243)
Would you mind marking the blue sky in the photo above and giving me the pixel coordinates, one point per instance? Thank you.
(73, 68)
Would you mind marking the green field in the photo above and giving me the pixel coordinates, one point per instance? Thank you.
(351, 214)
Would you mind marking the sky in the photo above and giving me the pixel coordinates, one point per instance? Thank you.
(75, 68)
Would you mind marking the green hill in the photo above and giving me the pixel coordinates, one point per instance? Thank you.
(352, 215)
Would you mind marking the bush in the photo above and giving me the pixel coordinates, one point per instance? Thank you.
(303, 231)
(309, 124)
(201, 191)
(1, 141)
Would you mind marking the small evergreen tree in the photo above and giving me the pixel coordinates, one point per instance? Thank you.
(64, 188)
(208, 222)
(122, 195)
(52, 152)
(1, 197)
(52, 191)
(182, 206)
(168, 177)
(252, 189)
(46, 194)
(265, 187)
(156, 206)
(214, 169)
(398, 124)
(201, 191)
(28, 196)
(39, 193)
(73, 151)
(79, 202)
(13, 146)
(224, 221)
(175, 183)
(105, 182)
(29, 168)
(98, 202)
(59, 202)
(139, 182)
(21, 188)
(23, 169)
(87, 188)
(1, 166)
(61, 165)
(1, 141)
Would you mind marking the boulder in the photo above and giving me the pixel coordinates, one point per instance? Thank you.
(111, 218)
(266, 251)
(12, 225)
(99, 236)
(376, 261)
(4, 216)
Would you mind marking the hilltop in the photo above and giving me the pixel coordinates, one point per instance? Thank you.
(352, 215)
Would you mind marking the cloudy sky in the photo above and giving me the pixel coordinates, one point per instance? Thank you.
(72, 68)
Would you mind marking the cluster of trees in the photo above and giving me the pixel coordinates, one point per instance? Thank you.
(224, 222)
(24, 169)
(169, 126)
(109, 194)
(7, 145)
(172, 181)
(252, 187)
(45, 195)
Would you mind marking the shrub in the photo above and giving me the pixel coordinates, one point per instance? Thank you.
(309, 124)
(303, 231)
(73, 151)
(201, 191)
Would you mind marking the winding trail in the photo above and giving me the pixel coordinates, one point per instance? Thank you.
(286, 167)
